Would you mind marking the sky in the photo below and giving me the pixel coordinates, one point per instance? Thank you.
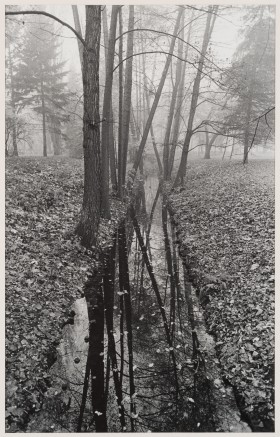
(224, 39)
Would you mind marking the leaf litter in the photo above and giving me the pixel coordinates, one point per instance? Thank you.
(46, 268)
(225, 222)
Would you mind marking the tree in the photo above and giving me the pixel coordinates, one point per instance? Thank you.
(210, 21)
(90, 214)
(251, 79)
(106, 115)
(39, 84)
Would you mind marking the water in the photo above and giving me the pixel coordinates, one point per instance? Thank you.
(156, 406)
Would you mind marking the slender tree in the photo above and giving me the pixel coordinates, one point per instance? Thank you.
(105, 207)
(210, 21)
(158, 93)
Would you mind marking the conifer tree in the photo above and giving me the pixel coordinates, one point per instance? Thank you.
(39, 80)
(251, 79)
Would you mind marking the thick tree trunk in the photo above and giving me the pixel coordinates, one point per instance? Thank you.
(195, 94)
(90, 215)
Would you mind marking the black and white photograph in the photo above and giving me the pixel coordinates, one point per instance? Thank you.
(139, 217)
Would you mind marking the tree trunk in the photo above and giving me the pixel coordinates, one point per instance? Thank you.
(209, 144)
(14, 136)
(158, 94)
(45, 151)
(127, 95)
(79, 30)
(14, 129)
(180, 100)
(195, 94)
(172, 109)
(90, 214)
(120, 181)
(146, 92)
(111, 129)
(247, 125)
(105, 207)
(55, 136)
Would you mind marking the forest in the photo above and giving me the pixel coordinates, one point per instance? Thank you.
(140, 228)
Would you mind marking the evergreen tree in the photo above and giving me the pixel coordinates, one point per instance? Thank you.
(39, 83)
(251, 79)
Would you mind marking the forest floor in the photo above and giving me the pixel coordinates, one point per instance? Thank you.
(226, 226)
(46, 269)
(225, 223)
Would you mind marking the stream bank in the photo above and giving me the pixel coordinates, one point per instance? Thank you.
(202, 403)
(225, 226)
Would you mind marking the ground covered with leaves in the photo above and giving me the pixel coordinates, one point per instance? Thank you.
(225, 223)
(46, 268)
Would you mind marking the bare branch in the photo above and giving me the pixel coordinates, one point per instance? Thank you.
(50, 16)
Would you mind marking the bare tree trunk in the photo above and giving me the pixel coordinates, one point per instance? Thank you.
(45, 152)
(209, 144)
(79, 30)
(120, 181)
(180, 100)
(172, 109)
(158, 94)
(90, 214)
(232, 149)
(105, 207)
(127, 95)
(247, 125)
(195, 94)
(112, 159)
(55, 137)
(146, 92)
(14, 128)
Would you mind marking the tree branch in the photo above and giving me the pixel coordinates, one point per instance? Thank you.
(50, 16)
(177, 37)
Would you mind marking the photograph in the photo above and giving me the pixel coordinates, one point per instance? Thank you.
(139, 217)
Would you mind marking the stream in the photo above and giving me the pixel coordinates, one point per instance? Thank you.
(203, 401)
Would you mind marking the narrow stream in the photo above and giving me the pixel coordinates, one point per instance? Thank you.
(204, 402)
